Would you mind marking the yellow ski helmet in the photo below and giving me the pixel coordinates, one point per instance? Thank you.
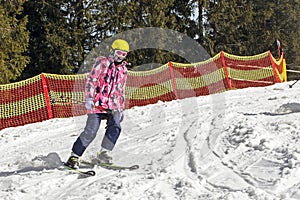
(120, 45)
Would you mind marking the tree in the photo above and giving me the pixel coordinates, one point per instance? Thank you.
(14, 40)
(250, 27)
(62, 32)
(238, 27)
(287, 19)
(174, 15)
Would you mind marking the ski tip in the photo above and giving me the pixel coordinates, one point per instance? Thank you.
(90, 173)
(79, 171)
(134, 167)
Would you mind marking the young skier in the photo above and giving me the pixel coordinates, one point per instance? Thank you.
(105, 90)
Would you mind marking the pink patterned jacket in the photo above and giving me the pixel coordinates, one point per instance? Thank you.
(106, 85)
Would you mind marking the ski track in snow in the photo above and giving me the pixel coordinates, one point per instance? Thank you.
(241, 144)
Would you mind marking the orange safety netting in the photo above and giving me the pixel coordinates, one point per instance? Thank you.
(66, 93)
(49, 96)
(199, 79)
(22, 103)
(253, 71)
(148, 87)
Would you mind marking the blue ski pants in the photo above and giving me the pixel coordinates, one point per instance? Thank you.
(93, 122)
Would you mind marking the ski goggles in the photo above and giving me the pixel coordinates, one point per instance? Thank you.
(120, 53)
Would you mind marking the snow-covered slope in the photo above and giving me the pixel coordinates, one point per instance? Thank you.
(242, 144)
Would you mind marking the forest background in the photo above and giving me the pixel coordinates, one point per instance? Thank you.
(55, 36)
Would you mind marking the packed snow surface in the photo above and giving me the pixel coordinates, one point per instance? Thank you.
(239, 144)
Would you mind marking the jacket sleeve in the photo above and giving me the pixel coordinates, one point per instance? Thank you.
(122, 89)
(93, 78)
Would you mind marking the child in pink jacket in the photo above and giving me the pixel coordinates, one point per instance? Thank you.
(105, 99)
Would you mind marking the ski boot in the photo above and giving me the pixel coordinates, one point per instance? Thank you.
(103, 158)
(72, 162)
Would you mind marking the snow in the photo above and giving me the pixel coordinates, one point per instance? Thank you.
(239, 144)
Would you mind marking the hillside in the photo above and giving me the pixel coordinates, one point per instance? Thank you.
(241, 144)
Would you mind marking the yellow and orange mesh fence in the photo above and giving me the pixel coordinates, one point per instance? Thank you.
(148, 87)
(22, 103)
(49, 96)
(253, 71)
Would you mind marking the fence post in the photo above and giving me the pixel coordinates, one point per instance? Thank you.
(173, 79)
(275, 70)
(47, 98)
(284, 68)
(225, 69)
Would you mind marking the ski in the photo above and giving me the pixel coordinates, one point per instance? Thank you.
(117, 167)
(79, 171)
(111, 166)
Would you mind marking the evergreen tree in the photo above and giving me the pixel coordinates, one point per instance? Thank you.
(45, 56)
(251, 27)
(237, 27)
(199, 10)
(175, 15)
(62, 33)
(287, 20)
(14, 40)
